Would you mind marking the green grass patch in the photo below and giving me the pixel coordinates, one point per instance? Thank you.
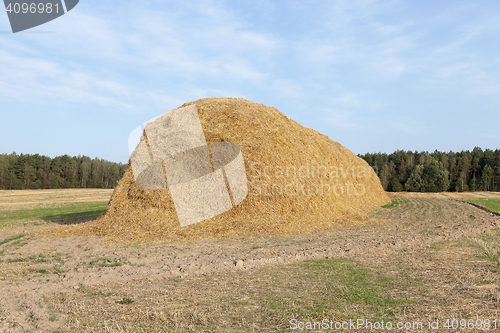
(125, 301)
(11, 239)
(356, 284)
(491, 204)
(490, 281)
(105, 262)
(41, 271)
(18, 240)
(393, 204)
(54, 214)
(105, 294)
(489, 246)
(326, 288)
(32, 259)
(53, 316)
(437, 246)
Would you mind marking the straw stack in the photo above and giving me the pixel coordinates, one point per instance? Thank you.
(299, 181)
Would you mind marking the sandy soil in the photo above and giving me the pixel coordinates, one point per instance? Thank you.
(40, 275)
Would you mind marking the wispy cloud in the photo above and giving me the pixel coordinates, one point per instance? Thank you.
(341, 119)
(409, 128)
(352, 33)
(350, 64)
(347, 99)
(288, 89)
(97, 57)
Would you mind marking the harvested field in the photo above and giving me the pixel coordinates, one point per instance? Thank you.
(453, 195)
(300, 182)
(432, 258)
(32, 208)
(27, 199)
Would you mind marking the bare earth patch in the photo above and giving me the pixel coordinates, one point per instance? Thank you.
(437, 256)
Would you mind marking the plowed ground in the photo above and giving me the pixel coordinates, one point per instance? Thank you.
(431, 258)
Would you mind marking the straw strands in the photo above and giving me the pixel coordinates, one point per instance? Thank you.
(299, 181)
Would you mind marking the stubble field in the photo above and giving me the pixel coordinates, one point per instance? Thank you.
(431, 257)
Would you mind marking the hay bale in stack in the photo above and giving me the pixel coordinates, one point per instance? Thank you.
(299, 181)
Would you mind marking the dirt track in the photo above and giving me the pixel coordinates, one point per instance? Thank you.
(57, 271)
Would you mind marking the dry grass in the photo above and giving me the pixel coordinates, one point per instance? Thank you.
(29, 199)
(433, 258)
(490, 250)
(263, 300)
(444, 280)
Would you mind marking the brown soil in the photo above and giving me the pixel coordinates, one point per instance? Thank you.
(81, 280)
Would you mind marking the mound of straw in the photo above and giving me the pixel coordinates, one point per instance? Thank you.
(299, 181)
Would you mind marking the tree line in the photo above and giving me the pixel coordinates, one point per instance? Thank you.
(25, 171)
(475, 170)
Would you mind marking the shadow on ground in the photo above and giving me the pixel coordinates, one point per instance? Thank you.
(73, 218)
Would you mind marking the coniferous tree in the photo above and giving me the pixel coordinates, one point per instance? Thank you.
(415, 182)
(37, 172)
(486, 178)
(466, 170)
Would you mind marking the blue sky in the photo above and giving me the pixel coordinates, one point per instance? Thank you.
(375, 76)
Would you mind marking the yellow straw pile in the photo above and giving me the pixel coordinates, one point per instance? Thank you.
(299, 181)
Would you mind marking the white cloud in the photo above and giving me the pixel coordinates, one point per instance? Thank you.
(351, 34)
(346, 58)
(471, 79)
(96, 58)
(470, 32)
(28, 78)
(346, 99)
(410, 124)
(288, 89)
(341, 119)
(451, 71)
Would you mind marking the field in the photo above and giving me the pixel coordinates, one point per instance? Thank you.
(431, 257)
